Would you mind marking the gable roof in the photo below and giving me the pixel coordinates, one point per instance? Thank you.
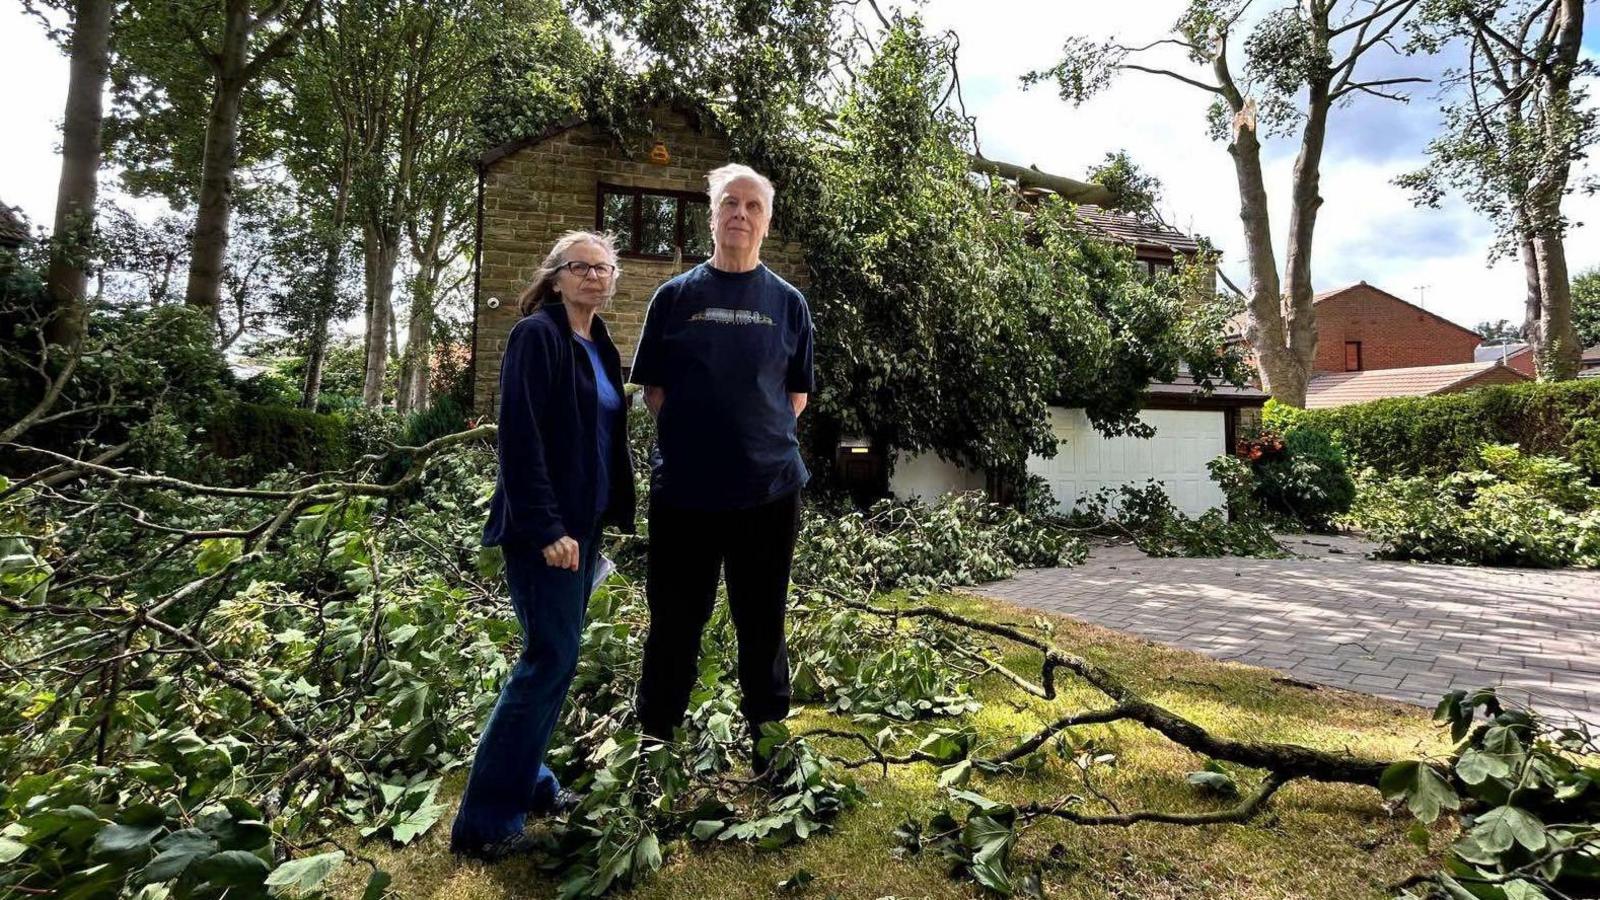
(13, 233)
(1339, 292)
(1345, 388)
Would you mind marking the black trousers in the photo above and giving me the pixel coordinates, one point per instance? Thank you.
(688, 548)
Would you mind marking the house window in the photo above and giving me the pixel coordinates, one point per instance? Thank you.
(1154, 267)
(655, 224)
(1352, 356)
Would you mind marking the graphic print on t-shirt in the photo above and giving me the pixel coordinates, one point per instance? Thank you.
(732, 316)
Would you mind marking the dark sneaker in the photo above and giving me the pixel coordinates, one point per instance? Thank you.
(565, 801)
(495, 851)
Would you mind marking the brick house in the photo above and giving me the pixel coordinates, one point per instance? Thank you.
(1361, 327)
(575, 175)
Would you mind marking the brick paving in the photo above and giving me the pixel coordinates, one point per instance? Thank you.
(1331, 616)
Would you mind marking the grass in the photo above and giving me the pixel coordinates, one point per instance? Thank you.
(1314, 841)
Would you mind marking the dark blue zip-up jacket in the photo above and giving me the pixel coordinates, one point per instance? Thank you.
(548, 452)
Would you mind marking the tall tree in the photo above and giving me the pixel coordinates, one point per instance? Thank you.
(1516, 125)
(234, 63)
(1301, 59)
(67, 280)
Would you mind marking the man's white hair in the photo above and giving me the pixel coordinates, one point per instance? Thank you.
(717, 181)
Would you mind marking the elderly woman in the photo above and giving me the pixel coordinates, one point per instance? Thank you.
(564, 473)
(725, 358)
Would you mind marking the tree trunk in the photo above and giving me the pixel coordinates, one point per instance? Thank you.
(1557, 356)
(1533, 302)
(415, 369)
(1300, 323)
(380, 256)
(67, 279)
(212, 219)
(1266, 333)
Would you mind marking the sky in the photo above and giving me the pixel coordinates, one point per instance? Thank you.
(1368, 228)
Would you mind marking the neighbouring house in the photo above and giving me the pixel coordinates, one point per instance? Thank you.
(1344, 388)
(1361, 327)
(13, 233)
(650, 192)
(1516, 354)
(1519, 356)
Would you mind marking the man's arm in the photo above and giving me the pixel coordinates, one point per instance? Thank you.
(796, 401)
(653, 397)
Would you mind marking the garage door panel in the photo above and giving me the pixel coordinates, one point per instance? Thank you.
(1085, 462)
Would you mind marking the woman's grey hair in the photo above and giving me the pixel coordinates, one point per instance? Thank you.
(717, 181)
(542, 289)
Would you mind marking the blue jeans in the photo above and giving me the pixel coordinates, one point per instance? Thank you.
(509, 778)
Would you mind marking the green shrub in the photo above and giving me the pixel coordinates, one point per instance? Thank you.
(1441, 434)
(444, 416)
(1511, 510)
(268, 438)
(1302, 475)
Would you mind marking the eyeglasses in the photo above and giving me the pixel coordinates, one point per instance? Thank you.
(581, 269)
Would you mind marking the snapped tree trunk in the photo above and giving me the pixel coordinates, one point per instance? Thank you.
(67, 278)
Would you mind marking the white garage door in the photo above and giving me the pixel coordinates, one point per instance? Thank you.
(1085, 461)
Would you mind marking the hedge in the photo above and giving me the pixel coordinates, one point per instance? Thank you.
(274, 437)
(1441, 434)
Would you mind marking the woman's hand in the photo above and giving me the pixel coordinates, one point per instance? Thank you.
(563, 554)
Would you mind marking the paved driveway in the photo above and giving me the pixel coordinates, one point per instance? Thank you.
(1330, 616)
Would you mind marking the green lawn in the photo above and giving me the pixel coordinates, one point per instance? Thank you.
(1314, 840)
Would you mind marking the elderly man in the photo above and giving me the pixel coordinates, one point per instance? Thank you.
(725, 361)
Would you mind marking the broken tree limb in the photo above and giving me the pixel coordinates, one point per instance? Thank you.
(1027, 176)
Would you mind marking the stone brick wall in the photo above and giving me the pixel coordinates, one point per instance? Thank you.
(1393, 333)
(533, 195)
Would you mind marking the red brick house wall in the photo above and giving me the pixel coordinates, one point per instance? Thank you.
(1522, 361)
(1392, 333)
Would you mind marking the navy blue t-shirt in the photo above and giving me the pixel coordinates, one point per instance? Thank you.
(727, 348)
(605, 422)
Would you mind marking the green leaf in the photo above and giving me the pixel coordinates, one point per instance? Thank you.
(10, 850)
(647, 853)
(124, 842)
(298, 877)
(1213, 783)
(956, 775)
(705, 829)
(1522, 890)
(179, 850)
(981, 802)
(797, 881)
(216, 553)
(377, 885)
(1424, 790)
(232, 868)
(1497, 829)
